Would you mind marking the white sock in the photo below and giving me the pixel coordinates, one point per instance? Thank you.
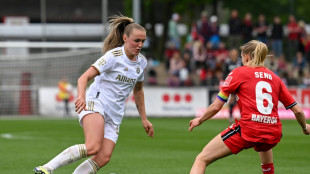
(87, 167)
(68, 156)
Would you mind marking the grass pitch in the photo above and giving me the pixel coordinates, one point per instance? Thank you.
(27, 142)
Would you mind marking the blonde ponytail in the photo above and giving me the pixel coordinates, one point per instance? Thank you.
(257, 51)
(119, 25)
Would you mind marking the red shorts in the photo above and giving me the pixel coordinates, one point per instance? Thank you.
(233, 140)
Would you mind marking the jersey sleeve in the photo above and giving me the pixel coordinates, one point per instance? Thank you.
(230, 85)
(144, 64)
(285, 97)
(141, 77)
(104, 63)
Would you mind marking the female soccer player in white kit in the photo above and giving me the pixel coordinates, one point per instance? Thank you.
(119, 71)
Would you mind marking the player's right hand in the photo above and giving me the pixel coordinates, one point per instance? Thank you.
(80, 104)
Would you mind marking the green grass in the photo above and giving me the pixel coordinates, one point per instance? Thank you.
(171, 151)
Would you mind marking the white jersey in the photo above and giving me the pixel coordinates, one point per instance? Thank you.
(118, 76)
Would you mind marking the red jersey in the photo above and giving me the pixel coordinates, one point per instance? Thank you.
(258, 91)
(293, 31)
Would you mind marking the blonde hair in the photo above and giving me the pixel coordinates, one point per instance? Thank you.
(119, 25)
(257, 51)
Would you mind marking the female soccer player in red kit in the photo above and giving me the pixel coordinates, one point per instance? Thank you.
(258, 92)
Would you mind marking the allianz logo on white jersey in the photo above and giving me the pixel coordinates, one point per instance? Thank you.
(125, 79)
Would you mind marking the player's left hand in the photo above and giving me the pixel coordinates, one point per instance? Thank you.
(193, 123)
(148, 128)
(307, 130)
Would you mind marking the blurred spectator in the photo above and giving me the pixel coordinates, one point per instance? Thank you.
(272, 64)
(277, 36)
(203, 27)
(210, 57)
(176, 64)
(234, 37)
(283, 76)
(194, 33)
(307, 48)
(203, 75)
(199, 53)
(282, 64)
(173, 32)
(152, 74)
(261, 28)
(188, 66)
(216, 78)
(302, 37)
(214, 32)
(299, 62)
(173, 81)
(185, 78)
(170, 50)
(65, 94)
(299, 65)
(292, 38)
(306, 79)
(247, 28)
(221, 53)
(291, 81)
(300, 78)
(187, 58)
(232, 62)
(152, 79)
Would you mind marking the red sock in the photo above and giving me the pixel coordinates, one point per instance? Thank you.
(268, 168)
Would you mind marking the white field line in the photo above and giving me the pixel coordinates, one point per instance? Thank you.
(16, 136)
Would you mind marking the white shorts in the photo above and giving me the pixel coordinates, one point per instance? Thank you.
(111, 130)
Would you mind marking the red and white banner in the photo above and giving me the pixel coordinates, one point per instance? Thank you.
(173, 102)
(161, 102)
(168, 102)
(302, 96)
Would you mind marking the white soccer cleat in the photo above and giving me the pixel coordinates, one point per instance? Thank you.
(41, 170)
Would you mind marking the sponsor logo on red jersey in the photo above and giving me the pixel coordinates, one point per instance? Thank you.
(227, 81)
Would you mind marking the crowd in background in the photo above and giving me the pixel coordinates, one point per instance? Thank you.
(205, 58)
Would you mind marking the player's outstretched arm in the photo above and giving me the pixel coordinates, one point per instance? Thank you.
(139, 99)
(213, 109)
(300, 116)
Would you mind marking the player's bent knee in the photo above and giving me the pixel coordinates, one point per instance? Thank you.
(104, 160)
(204, 159)
(93, 149)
